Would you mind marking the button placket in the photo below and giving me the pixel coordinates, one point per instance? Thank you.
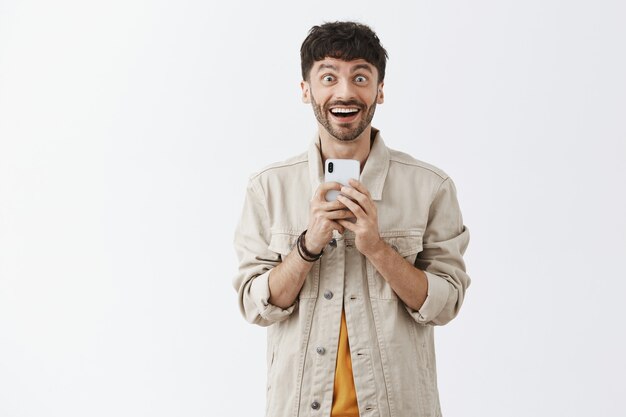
(323, 349)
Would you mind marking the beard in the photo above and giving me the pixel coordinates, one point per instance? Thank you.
(343, 132)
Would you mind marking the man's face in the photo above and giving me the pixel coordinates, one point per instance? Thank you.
(344, 95)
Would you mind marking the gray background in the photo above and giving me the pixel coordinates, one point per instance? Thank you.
(128, 130)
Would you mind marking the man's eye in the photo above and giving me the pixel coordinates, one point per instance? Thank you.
(328, 78)
(360, 79)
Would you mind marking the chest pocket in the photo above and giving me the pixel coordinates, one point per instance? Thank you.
(408, 244)
(283, 243)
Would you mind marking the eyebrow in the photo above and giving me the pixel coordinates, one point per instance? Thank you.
(353, 69)
(361, 66)
(327, 66)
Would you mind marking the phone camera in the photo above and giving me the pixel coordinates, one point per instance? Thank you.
(330, 167)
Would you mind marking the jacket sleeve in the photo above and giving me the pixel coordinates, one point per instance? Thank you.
(256, 260)
(444, 243)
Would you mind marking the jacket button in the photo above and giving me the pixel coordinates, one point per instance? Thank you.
(328, 295)
(315, 405)
(333, 242)
(320, 350)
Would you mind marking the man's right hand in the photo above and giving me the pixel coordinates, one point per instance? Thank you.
(323, 216)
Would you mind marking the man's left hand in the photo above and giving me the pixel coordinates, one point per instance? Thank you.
(360, 203)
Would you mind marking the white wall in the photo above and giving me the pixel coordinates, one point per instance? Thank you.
(128, 130)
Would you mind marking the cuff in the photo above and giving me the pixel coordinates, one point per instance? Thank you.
(260, 294)
(436, 299)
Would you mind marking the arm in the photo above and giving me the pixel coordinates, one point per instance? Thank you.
(256, 260)
(408, 282)
(286, 279)
(267, 284)
(444, 243)
(433, 288)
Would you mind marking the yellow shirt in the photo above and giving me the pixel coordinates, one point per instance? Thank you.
(344, 393)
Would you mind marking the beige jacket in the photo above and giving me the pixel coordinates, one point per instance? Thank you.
(391, 345)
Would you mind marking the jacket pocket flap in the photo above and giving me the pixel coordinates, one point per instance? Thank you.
(283, 243)
(405, 245)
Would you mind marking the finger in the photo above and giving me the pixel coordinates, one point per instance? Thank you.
(338, 226)
(359, 186)
(352, 206)
(340, 214)
(331, 205)
(363, 200)
(324, 187)
(320, 230)
(347, 224)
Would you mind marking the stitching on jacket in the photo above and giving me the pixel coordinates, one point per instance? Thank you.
(419, 164)
(283, 164)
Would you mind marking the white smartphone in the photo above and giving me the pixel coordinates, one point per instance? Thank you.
(340, 170)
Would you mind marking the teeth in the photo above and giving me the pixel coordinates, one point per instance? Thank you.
(341, 110)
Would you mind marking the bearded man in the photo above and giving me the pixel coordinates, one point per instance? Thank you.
(350, 290)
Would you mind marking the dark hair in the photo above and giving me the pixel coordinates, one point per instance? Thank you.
(342, 40)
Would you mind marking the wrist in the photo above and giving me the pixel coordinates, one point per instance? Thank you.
(311, 248)
(310, 244)
(376, 249)
(304, 252)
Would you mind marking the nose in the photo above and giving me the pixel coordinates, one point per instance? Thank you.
(344, 90)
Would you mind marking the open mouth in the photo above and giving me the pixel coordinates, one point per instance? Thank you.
(344, 112)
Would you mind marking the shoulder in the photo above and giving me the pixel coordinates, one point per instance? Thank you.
(418, 178)
(402, 161)
(282, 175)
(282, 168)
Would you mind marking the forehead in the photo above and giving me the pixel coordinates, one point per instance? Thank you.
(343, 66)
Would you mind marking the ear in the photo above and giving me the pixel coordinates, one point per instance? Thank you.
(380, 98)
(306, 92)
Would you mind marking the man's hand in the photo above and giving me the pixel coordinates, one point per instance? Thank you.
(324, 217)
(367, 238)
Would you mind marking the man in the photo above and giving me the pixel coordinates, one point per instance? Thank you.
(350, 289)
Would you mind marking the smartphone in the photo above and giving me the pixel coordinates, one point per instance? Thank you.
(340, 170)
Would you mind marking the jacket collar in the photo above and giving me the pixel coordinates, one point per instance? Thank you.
(374, 172)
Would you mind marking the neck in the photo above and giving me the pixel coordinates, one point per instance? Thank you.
(358, 149)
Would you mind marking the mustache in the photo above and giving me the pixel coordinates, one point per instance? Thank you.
(349, 103)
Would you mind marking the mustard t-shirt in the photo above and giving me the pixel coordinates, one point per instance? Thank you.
(344, 393)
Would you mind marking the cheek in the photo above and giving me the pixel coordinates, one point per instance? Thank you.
(370, 97)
